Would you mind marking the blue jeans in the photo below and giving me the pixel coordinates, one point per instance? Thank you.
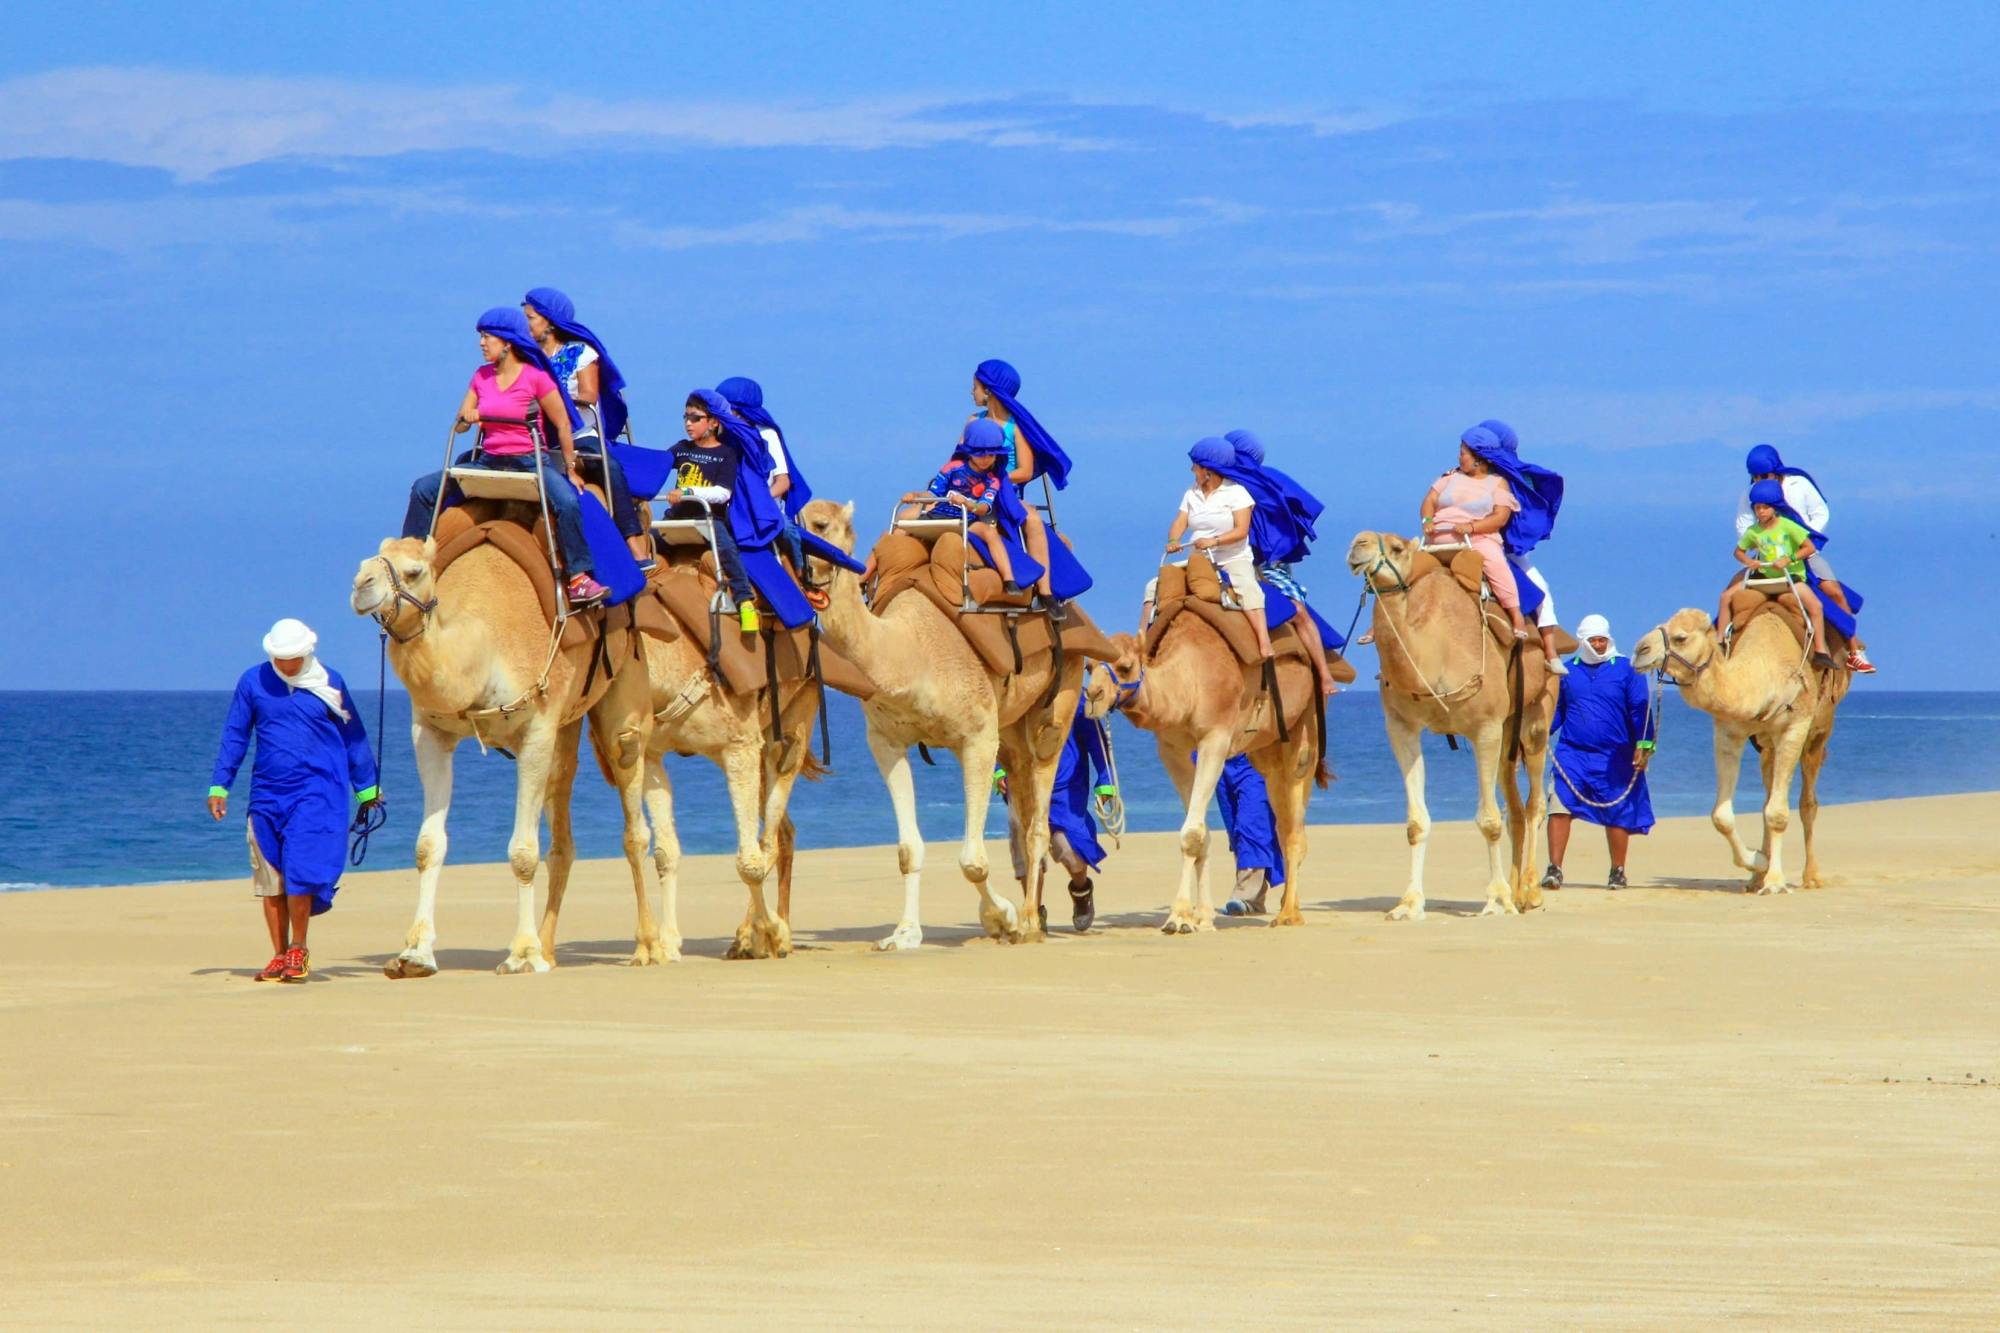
(728, 558)
(563, 502)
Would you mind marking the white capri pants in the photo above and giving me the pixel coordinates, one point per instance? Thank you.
(1243, 581)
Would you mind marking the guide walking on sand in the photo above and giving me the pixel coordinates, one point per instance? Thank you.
(1604, 733)
(311, 752)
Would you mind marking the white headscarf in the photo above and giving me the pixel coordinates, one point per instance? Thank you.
(293, 638)
(1594, 627)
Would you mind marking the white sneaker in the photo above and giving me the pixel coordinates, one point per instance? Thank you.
(1557, 667)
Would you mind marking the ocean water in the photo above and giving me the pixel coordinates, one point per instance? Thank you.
(108, 788)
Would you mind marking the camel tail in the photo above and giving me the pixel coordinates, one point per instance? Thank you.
(811, 769)
(1322, 775)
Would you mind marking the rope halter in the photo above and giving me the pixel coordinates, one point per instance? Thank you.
(387, 616)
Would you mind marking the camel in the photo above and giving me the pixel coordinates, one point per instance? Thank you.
(694, 713)
(932, 689)
(1442, 672)
(1762, 690)
(1199, 700)
(471, 647)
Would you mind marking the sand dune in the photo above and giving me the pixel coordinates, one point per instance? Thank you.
(1672, 1106)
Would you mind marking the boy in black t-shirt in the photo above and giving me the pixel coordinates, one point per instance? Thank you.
(705, 468)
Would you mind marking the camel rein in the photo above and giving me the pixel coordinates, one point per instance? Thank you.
(1443, 699)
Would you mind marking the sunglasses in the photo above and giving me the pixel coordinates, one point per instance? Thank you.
(696, 416)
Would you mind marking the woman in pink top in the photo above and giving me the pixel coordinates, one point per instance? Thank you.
(512, 386)
(1473, 505)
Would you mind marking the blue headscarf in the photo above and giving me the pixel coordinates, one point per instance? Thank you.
(1764, 460)
(560, 311)
(1304, 507)
(1539, 491)
(508, 323)
(1003, 382)
(1274, 529)
(1771, 493)
(747, 397)
(754, 516)
(982, 436)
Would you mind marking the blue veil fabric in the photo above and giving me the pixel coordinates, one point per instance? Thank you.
(504, 321)
(1305, 507)
(1764, 459)
(747, 397)
(1274, 531)
(1539, 490)
(1003, 382)
(560, 311)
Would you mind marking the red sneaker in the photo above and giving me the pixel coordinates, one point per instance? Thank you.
(298, 964)
(1858, 663)
(275, 969)
(585, 590)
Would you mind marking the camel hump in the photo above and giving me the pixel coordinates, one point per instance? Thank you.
(456, 540)
(1775, 602)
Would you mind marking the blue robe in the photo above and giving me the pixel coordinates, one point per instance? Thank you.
(1600, 720)
(1246, 814)
(1082, 766)
(308, 761)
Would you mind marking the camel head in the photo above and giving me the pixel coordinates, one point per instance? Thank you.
(1100, 692)
(1382, 559)
(1683, 647)
(395, 585)
(1124, 674)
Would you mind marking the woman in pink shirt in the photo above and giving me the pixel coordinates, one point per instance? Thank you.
(1472, 505)
(513, 386)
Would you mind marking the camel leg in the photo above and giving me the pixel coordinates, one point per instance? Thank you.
(1809, 766)
(1193, 909)
(434, 750)
(894, 761)
(788, 848)
(1528, 885)
(562, 838)
(780, 772)
(532, 762)
(1289, 792)
(1728, 761)
(1486, 748)
(1406, 741)
(1778, 806)
(997, 916)
(659, 798)
(761, 935)
(622, 727)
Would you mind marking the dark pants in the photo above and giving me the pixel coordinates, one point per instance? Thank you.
(563, 502)
(590, 454)
(727, 557)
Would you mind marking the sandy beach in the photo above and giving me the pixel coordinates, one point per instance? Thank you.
(1677, 1105)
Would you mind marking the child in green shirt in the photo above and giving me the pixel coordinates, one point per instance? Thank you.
(1775, 547)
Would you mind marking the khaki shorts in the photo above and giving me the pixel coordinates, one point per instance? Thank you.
(265, 882)
(1243, 581)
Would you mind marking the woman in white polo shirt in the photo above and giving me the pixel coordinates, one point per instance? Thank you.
(1215, 515)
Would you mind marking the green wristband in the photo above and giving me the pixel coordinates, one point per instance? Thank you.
(218, 791)
(1645, 745)
(1105, 790)
(367, 794)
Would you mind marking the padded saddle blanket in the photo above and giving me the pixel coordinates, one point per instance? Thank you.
(675, 603)
(1007, 644)
(1468, 570)
(1785, 608)
(1196, 589)
(605, 629)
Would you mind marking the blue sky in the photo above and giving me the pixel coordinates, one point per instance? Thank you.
(244, 248)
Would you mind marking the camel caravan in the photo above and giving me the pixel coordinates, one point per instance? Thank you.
(557, 580)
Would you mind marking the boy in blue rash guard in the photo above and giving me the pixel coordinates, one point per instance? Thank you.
(972, 482)
(311, 752)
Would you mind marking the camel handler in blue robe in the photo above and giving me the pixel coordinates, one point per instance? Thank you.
(1085, 786)
(312, 751)
(1245, 803)
(1604, 739)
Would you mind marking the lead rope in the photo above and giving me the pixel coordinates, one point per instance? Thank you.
(370, 819)
(1653, 714)
(1110, 806)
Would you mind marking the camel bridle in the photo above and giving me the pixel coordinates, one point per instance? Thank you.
(1669, 654)
(388, 615)
(1383, 562)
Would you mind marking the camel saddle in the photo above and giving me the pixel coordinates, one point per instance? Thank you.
(606, 632)
(1196, 589)
(1008, 644)
(675, 602)
(1470, 573)
(1779, 602)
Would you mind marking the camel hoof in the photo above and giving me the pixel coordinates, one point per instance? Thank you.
(410, 965)
(642, 957)
(902, 937)
(1407, 912)
(516, 964)
(1001, 923)
(1291, 918)
(1178, 927)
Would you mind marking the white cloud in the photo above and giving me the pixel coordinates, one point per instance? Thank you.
(1654, 419)
(812, 223)
(195, 124)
